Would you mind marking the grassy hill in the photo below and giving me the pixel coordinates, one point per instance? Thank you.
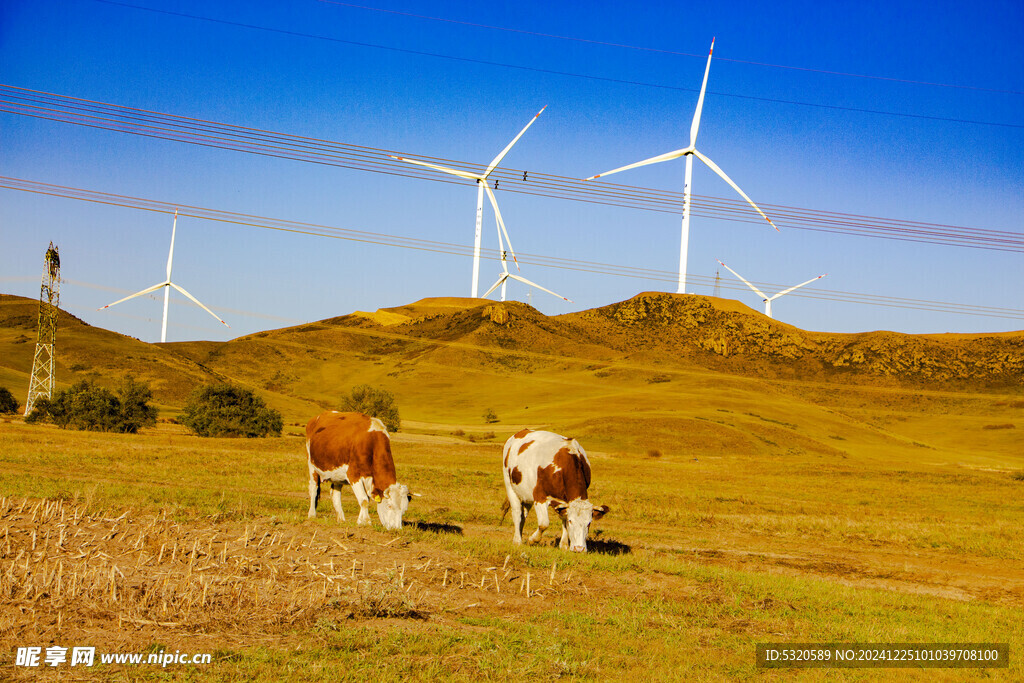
(666, 373)
(87, 352)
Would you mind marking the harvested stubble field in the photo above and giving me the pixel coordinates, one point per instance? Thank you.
(697, 562)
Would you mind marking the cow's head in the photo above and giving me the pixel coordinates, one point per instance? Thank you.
(392, 505)
(577, 516)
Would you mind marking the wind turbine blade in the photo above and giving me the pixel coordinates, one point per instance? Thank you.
(653, 160)
(132, 296)
(700, 100)
(170, 254)
(501, 222)
(714, 167)
(504, 276)
(787, 291)
(199, 303)
(497, 159)
(444, 169)
(756, 290)
(534, 284)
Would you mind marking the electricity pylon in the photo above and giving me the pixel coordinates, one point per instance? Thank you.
(41, 383)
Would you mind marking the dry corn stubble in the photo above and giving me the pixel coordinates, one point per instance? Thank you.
(67, 570)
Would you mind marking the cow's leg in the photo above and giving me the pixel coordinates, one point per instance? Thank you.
(336, 487)
(542, 522)
(563, 543)
(360, 489)
(314, 491)
(515, 507)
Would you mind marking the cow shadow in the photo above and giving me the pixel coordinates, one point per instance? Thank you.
(437, 527)
(603, 546)
(606, 546)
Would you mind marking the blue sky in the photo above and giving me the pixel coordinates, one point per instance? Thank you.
(940, 154)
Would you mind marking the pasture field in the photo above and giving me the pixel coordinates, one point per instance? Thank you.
(745, 525)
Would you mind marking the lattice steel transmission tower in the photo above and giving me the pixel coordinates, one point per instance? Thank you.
(41, 383)
(717, 280)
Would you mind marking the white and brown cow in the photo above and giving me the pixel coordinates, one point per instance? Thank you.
(546, 469)
(355, 448)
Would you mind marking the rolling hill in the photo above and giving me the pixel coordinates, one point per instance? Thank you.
(648, 335)
(658, 372)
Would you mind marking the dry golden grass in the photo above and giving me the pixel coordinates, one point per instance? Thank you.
(697, 562)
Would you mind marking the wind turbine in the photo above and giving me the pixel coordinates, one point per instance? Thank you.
(482, 187)
(505, 275)
(690, 152)
(768, 299)
(166, 285)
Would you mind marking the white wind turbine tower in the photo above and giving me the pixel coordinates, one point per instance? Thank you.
(689, 152)
(505, 275)
(482, 187)
(166, 285)
(768, 299)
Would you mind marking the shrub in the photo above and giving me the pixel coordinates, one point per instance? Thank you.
(228, 410)
(490, 417)
(89, 407)
(135, 409)
(8, 404)
(378, 403)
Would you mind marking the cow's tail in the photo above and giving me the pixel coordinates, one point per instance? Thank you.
(505, 507)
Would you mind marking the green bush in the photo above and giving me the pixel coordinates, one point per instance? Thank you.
(8, 404)
(89, 407)
(228, 410)
(135, 409)
(378, 403)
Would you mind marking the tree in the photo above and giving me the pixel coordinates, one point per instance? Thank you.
(490, 417)
(87, 406)
(135, 409)
(232, 411)
(378, 403)
(8, 404)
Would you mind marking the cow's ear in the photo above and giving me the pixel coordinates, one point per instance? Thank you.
(601, 511)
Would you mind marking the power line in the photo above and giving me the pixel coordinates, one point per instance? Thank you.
(384, 239)
(642, 48)
(554, 72)
(106, 116)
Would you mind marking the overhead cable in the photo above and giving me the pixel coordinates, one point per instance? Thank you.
(554, 72)
(642, 48)
(369, 237)
(105, 116)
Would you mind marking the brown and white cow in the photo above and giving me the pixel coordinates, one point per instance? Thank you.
(355, 448)
(547, 469)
